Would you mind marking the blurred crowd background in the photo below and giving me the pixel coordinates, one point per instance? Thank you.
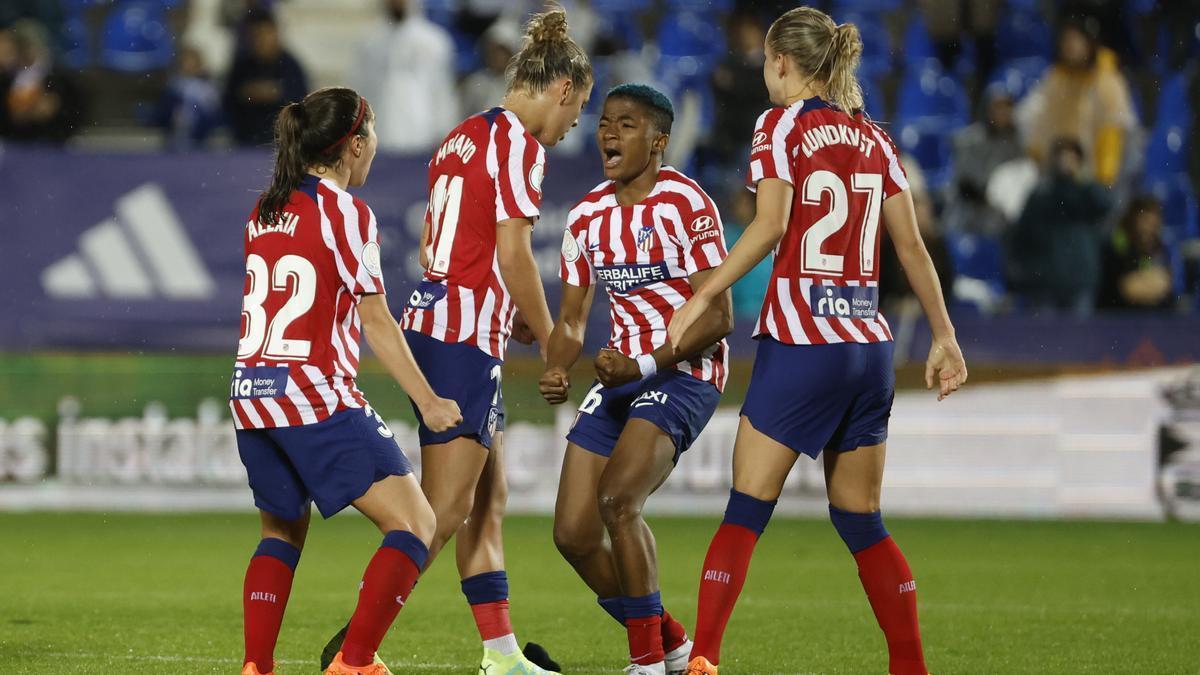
(1048, 142)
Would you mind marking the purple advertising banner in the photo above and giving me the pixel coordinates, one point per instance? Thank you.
(134, 252)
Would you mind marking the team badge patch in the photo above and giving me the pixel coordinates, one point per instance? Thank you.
(370, 259)
(570, 247)
(536, 173)
(645, 238)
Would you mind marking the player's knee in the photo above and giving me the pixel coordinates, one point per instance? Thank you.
(859, 530)
(293, 532)
(619, 508)
(451, 513)
(573, 542)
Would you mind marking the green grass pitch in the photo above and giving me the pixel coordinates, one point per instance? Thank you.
(94, 593)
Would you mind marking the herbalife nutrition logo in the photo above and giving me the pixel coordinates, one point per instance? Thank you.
(141, 253)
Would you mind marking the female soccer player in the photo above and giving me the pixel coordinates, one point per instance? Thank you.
(823, 376)
(485, 184)
(304, 430)
(652, 235)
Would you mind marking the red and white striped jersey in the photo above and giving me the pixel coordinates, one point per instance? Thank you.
(644, 254)
(825, 281)
(488, 169)
(298, 353)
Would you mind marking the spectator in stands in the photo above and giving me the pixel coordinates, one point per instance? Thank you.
(1136, 270)
(978, 150)
(738, 89)
(1082, 96)
(486, 87)
(951, 22)
(405, 68)
(10, 63)
(263, 79)
(41, 100)
(190, 107)
(1054, 248)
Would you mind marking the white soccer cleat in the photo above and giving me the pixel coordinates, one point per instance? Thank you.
(659, 668)
(677, 659)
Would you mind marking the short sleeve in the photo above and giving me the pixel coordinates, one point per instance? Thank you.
(701, 233)
(575, 268)
(356, 235)
(769, 157)
(520, 166)
(895, 180)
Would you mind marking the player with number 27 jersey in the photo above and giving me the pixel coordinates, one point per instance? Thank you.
(298, 355)
(488, 170)
(825, 282)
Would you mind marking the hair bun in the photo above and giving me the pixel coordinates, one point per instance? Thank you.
(548, 27)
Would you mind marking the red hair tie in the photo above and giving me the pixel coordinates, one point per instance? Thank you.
(362, 112)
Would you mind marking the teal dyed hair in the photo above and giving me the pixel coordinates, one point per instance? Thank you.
(662, 113)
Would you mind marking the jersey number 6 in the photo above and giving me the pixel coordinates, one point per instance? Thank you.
(258, 327)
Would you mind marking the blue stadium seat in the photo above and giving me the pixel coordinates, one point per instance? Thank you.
(709, 7)
(1179, 206)
(877, 58)
(929, 142)
(136, 38)
(1019, 75)
(1167, 152)
(1023, 34)
(872, 6)
(978, 256)
(77, 47)
(927, 91)
(918, 46)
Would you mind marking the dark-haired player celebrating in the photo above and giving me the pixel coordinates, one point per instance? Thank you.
(304, 430)
(652, 235)
(485, 183)
(824, 175)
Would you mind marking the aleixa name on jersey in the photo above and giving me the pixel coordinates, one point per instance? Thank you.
(259, 382)
(625, 278)
(844, 302)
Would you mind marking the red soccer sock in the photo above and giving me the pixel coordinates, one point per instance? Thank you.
(893, 595)
(645, 640)
(724, 574)
(491, 618)
(386, 584)
(264, 598)
(673, 633)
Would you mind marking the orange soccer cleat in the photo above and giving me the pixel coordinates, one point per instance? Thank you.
(339, 667)
(701, 666)
(252, 669)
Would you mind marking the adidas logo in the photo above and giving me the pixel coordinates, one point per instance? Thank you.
(141, 253)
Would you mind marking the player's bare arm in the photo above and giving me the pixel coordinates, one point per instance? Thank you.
(518, 268)
(387, 341)
(945, 360)
(774, 204)
(614, 368)
(566, 341)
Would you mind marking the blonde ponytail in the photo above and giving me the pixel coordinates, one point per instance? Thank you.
(548, 53)
(829, 53)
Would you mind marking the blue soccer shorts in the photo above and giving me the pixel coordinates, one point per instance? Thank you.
(467, 375)
(671, 400)
(332, 462)
(834, 397)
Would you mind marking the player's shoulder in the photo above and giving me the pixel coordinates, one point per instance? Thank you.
(597, 199)
(673, 183)
(347, 203)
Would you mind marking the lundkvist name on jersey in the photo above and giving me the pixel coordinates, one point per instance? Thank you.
(820, 137)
